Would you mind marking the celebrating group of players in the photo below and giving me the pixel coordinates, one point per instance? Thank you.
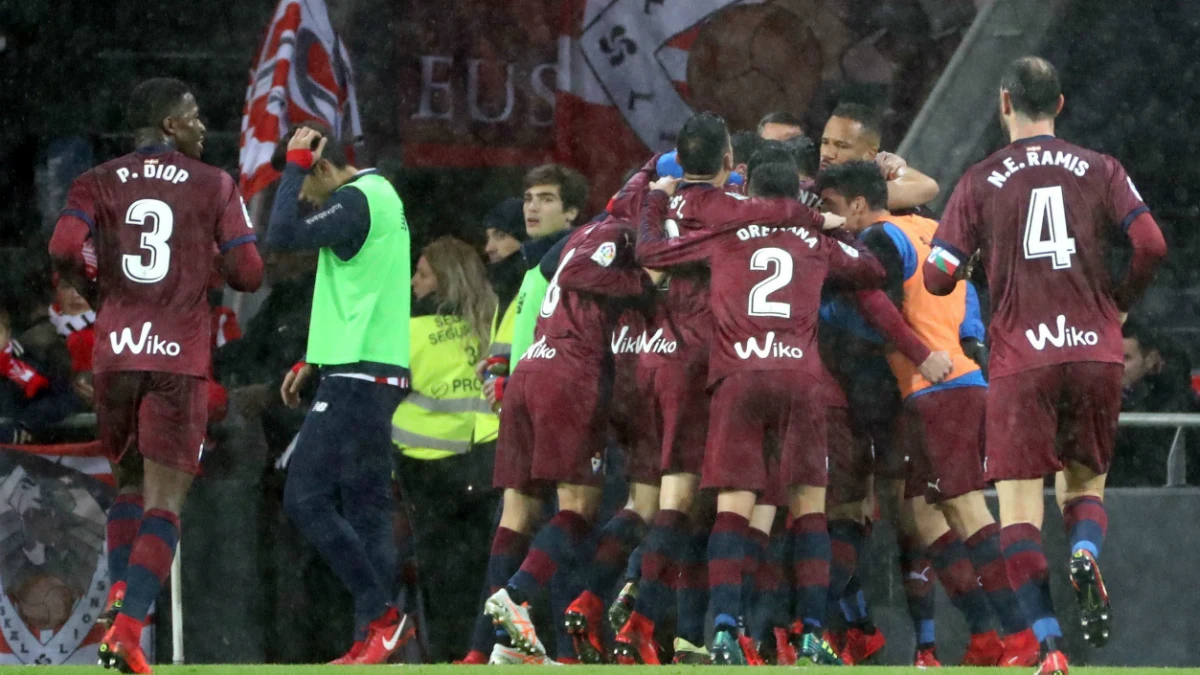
(686, 320)
(733, 337)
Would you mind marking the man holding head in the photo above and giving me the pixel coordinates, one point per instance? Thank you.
(338, 489)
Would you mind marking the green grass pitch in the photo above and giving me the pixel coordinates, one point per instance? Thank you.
(533, 669)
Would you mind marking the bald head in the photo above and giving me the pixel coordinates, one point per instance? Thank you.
(1033, 87)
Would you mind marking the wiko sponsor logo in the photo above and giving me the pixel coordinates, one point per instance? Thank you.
(623, 343)
(150, 344)
(769, 349)
(1064, 337)
(540, 350)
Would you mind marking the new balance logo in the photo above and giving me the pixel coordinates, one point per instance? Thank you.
(769, 349)
(540, 350)
(1064, 337)
(622, 343)
(150, 344)
(320, 406)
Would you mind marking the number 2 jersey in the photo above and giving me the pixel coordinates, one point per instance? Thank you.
(766, 284)
(1042, 212)
(158, 219)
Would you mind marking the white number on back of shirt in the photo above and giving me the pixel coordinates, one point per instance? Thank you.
(150, 266)
(1046, 233)
(762, 260)
(553, 292)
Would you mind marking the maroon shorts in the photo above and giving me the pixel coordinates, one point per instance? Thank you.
(850, 461)
(747, 408)
(675, 415)
(163, 415)
(943, 438)
(777, 491)
(631, 426)
(1073, 404)
(552, 430)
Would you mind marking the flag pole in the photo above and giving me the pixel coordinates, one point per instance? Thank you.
(177, 606)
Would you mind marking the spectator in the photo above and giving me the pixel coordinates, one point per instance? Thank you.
(780, 126)
(446, 479)
(1157, 379)
(30, 401)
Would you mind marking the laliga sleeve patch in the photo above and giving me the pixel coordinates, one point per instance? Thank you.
(605, 255)
(850, 250)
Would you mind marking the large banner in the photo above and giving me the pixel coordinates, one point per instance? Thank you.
(602, 84)
(302, 73)
(53, 568)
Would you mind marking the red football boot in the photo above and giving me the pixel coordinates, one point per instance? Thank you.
(1055, 663)
(926, 658)
(785, 651)
(121, 647)
(385, 635)
(858, 645)
(984, 649)
(112, 605)
(582, 620)
(635, 642)
(473, 658)
(1094, 609)
(1020, 649)
(351, 656)
(750, 649)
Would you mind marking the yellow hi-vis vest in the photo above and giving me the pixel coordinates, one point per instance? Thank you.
(437, 419)
(487, 425)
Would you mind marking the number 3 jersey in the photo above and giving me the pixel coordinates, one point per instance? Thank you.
(159, 220)
(1042, 211)
(766, 283)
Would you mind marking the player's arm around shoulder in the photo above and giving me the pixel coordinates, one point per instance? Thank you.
(851, 263)
(655, 247)
(907, 188)
(604, 263)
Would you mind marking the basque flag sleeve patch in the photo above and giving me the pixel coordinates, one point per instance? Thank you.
(944, 260)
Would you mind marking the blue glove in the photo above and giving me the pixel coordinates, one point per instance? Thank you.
(668, 165)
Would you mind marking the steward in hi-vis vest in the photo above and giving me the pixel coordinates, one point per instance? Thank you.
(440, 416)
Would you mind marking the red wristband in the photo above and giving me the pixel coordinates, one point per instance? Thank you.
(500, 388)
(299, 364)
(301, 158)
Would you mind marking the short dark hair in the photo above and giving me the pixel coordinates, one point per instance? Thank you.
(805, 153)
(745, 144)
(777, 179)
(870, 118)
(855, 179)
(153, 101)
(1033, 87)
(769, 152)
(1148, 339)
(334, 151)
(572, 186)
(780, 117)
(702, 143)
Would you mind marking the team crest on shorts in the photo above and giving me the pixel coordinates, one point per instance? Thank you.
(597, 463)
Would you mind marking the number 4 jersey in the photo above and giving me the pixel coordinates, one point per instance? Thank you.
(159, 221)
(1042, 212)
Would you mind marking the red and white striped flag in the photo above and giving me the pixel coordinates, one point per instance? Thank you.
(623, 81)
(302, 73)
